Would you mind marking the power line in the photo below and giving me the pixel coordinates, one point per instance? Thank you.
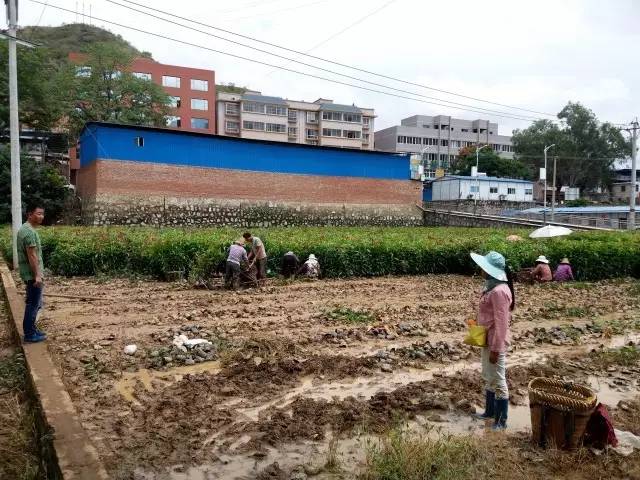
(452, 103)
(184, 42)
(42, 13)
(338, 63)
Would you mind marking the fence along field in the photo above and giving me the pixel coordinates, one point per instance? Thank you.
(343, 252)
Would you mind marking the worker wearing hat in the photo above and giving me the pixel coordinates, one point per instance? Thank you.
(542, 271)
(494, 313)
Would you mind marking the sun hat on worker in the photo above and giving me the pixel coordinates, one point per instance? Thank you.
(239, 241)
(542, 259)
(312, 257)
(492, 263)
(565, 260)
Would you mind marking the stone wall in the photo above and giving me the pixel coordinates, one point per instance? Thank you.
(105, 209)
(443, 218)
(481, 208)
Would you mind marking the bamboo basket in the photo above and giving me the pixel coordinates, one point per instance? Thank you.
(559, 412)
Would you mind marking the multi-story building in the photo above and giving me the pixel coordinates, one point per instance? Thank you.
(192, 91)
(256, 116)
(440, 138)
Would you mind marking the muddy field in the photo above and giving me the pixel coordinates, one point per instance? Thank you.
(305, 373)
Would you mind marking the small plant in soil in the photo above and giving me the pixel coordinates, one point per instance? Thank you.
(625, 356)
(348, 315)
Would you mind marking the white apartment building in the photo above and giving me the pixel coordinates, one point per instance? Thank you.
(257, 116)
(440, 138)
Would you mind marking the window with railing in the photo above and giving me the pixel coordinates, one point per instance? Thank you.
(312, 117)
(293, 131)
(293, 115)
(276, 110)
(231, 108)
(232, 126)
(275, 128)
(311, 133)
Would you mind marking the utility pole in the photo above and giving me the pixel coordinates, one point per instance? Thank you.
(544, 208)
(16, 189)
(631, 224)
(553, 194)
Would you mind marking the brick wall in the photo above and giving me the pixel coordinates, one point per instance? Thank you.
(119, 192)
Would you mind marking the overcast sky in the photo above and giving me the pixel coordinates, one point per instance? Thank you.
(536, 55)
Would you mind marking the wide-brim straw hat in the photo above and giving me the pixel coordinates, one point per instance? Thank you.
(542, 259)
(239, 241)
(492, 263)
(565, 260)
(312, 257)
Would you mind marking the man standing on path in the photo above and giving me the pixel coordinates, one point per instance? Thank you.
(258, 255)
(31, 271)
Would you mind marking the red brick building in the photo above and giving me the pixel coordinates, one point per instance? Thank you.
(192, 91)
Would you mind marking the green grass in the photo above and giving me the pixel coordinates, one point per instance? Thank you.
(404, 456)
(348, 315)
(342, 251)
(624, 356)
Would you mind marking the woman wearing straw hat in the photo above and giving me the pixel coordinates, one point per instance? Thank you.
(494, 313)
(542, 272)
(563, 272)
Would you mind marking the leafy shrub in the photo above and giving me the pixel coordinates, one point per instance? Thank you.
(342, 251)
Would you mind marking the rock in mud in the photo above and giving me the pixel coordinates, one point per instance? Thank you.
(385, 367)
(189, 361)
(436, 417)
(167, 359)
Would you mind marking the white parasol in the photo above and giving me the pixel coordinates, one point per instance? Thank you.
(549, 231)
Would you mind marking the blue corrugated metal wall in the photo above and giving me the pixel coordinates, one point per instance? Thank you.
(117, 142)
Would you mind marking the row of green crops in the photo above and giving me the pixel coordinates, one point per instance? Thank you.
(343, 252)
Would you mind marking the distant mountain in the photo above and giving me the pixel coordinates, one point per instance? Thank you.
(74, 37)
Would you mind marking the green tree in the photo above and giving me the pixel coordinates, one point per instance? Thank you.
(41, 88)
(586, 148)
(40, 183)
(105, 89)
(489, 162)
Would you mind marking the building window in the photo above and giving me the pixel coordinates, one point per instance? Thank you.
(312, 133)
(511, 191)
(352, 117)
(276, 128)
(231, 108)
(444, 142)
(333, 116)
(402, 139)
(365, 138)
(231, 126)
(474, 188)
(199, 104)
(142, 76)
(249, 125)
(138, 141)
(365, 121)
(426, 126)
(331, 132)
(200, 123)
(528, 191)
(168, 81)
(276, 110)
(475, 130)
(173, 121)
(293, 132)
(83, 71)
(351, 133)
(253, 107)
(623, 188)
(174, 101)
(464, 129)
(493, 189)
(312, 117)
(293, 115)
(200, 85)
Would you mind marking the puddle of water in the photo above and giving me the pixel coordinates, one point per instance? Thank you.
(127, 384)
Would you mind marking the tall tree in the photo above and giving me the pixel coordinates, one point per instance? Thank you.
(586, 148)
(40, 182)
(42, 88)
(489, 162)
(105, 89)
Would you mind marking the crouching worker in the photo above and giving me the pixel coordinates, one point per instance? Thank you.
(494, 313)
(563, 272)
(237, 255)
(310, 268)
(542, 271)
(289, 265)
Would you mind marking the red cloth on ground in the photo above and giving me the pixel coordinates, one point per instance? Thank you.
(599, 432)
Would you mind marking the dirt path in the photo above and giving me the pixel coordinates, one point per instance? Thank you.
(293, 366)
(18, 449)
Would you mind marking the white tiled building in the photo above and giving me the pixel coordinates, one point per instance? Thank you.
(440, 138)
(455, 187)
(256, 116)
